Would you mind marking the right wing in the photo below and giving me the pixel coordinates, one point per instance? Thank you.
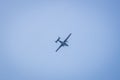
(59, 47)
(67, 37)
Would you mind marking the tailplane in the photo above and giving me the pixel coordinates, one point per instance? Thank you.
(57, 39)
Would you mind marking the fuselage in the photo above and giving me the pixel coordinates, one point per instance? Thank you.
(63, 43)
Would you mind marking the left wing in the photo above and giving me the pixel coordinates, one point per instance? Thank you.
(59, 47)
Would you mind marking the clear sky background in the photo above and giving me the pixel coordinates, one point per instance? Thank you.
(28, 30)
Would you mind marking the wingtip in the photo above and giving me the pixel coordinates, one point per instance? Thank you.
(70, 34)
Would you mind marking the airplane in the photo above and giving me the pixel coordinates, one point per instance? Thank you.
(63, 43)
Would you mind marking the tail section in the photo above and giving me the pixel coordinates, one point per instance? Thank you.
(57, 39)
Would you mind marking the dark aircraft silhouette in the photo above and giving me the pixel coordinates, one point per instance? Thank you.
(63, 43)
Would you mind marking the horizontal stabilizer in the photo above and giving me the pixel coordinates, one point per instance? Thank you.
(57, 39)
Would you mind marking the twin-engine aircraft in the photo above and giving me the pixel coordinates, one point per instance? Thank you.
(63, 43)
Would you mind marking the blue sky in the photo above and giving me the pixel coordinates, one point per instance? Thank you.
(28, 30)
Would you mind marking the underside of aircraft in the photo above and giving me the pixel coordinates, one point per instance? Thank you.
(63, 43)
